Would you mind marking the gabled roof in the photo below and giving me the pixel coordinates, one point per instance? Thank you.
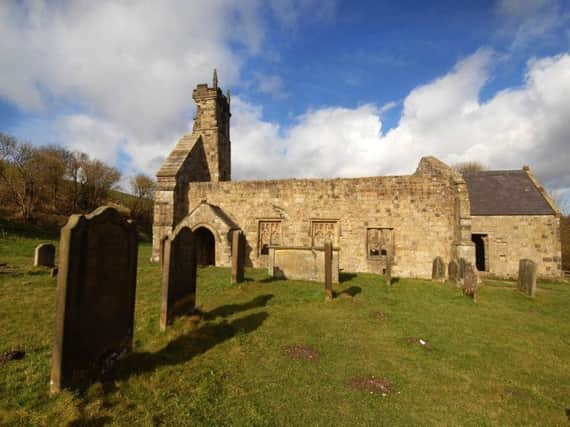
(178, 156)
(510, 192)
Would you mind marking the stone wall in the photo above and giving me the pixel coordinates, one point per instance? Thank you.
(419, 212)
(511, 238)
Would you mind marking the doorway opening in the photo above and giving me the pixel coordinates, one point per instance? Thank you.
(205, 246)
(480, 257)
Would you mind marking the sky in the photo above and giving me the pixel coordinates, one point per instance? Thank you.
(320, 88)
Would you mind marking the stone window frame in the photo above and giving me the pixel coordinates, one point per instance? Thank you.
(390, 251)
(336, 221)
(264, 220)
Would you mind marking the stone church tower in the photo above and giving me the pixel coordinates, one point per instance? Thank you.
(212, 122)
(201, 156)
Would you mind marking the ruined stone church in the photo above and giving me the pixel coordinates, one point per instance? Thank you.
(491, 218)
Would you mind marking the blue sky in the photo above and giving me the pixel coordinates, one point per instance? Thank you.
(319, 88)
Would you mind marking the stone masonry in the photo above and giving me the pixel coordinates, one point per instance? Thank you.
(409, 219)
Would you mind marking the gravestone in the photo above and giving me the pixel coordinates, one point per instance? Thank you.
(470, 281)
(44, 255)
(462, 264)
(388, 271)
(526, 282)
(453, 271)
(328, 270)
(95, 298)
(438, 270)
(238, 256)
(178, 276)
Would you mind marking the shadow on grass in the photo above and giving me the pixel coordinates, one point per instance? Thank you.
(93, 422)
(352, 291)
(183, 348)
(228, 310)
(346, 277)
(271, 279)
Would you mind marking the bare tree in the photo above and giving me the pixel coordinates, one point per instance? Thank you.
(97, 180)
(20, 173)
(143, 188)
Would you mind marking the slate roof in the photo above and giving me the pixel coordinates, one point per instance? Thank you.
(509, 192)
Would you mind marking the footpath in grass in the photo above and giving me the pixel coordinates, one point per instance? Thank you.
(273, 352)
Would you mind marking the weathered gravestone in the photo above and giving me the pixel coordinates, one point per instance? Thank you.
(462, 264)
(453, 271)
(178, 276)
(238, 256)
(388, 270)
(526, 282)
(438, 270)
(44, 255)
(328, 270)
(95, 298)
(470, 281)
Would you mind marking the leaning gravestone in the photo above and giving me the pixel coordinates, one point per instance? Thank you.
(238, 256)
(95, 301)
(470, 281)
(438, 270)
(178, 276)
(44, 255)
(328, 270)
(526, 282)
(453, 271)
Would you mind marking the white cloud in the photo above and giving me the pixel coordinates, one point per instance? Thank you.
(445, 118)
(126, 66)
(271, 85)
(525, 21)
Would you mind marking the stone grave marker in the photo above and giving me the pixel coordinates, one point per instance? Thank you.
(526, 282)
(44, 255)
(178, 276)
(328, 270)
(95, 298)
(238, 256)
(462, 263)
(470, 281)
(453, 272)
(388, 271)
(438, 270)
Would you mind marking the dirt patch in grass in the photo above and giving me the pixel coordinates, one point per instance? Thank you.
(419, 341)
(372, 385)
(297, 351)
(517, 392)
(378, 315)
(12, 355)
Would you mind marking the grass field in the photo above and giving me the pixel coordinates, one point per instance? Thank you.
(502, 361)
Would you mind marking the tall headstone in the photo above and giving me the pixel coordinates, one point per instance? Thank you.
(470, 281)
(44, 255)
(438, 270)
(238, 256)
(95, 300)
(178, 276)
(462, 264)
(526, 282)
(328, 270)
(453, 271)
(388, 271)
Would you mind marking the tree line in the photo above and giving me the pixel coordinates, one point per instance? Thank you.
(47, 181)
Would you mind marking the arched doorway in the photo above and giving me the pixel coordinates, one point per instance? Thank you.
(205, 246)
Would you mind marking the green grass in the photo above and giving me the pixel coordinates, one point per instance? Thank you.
(502, 361)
